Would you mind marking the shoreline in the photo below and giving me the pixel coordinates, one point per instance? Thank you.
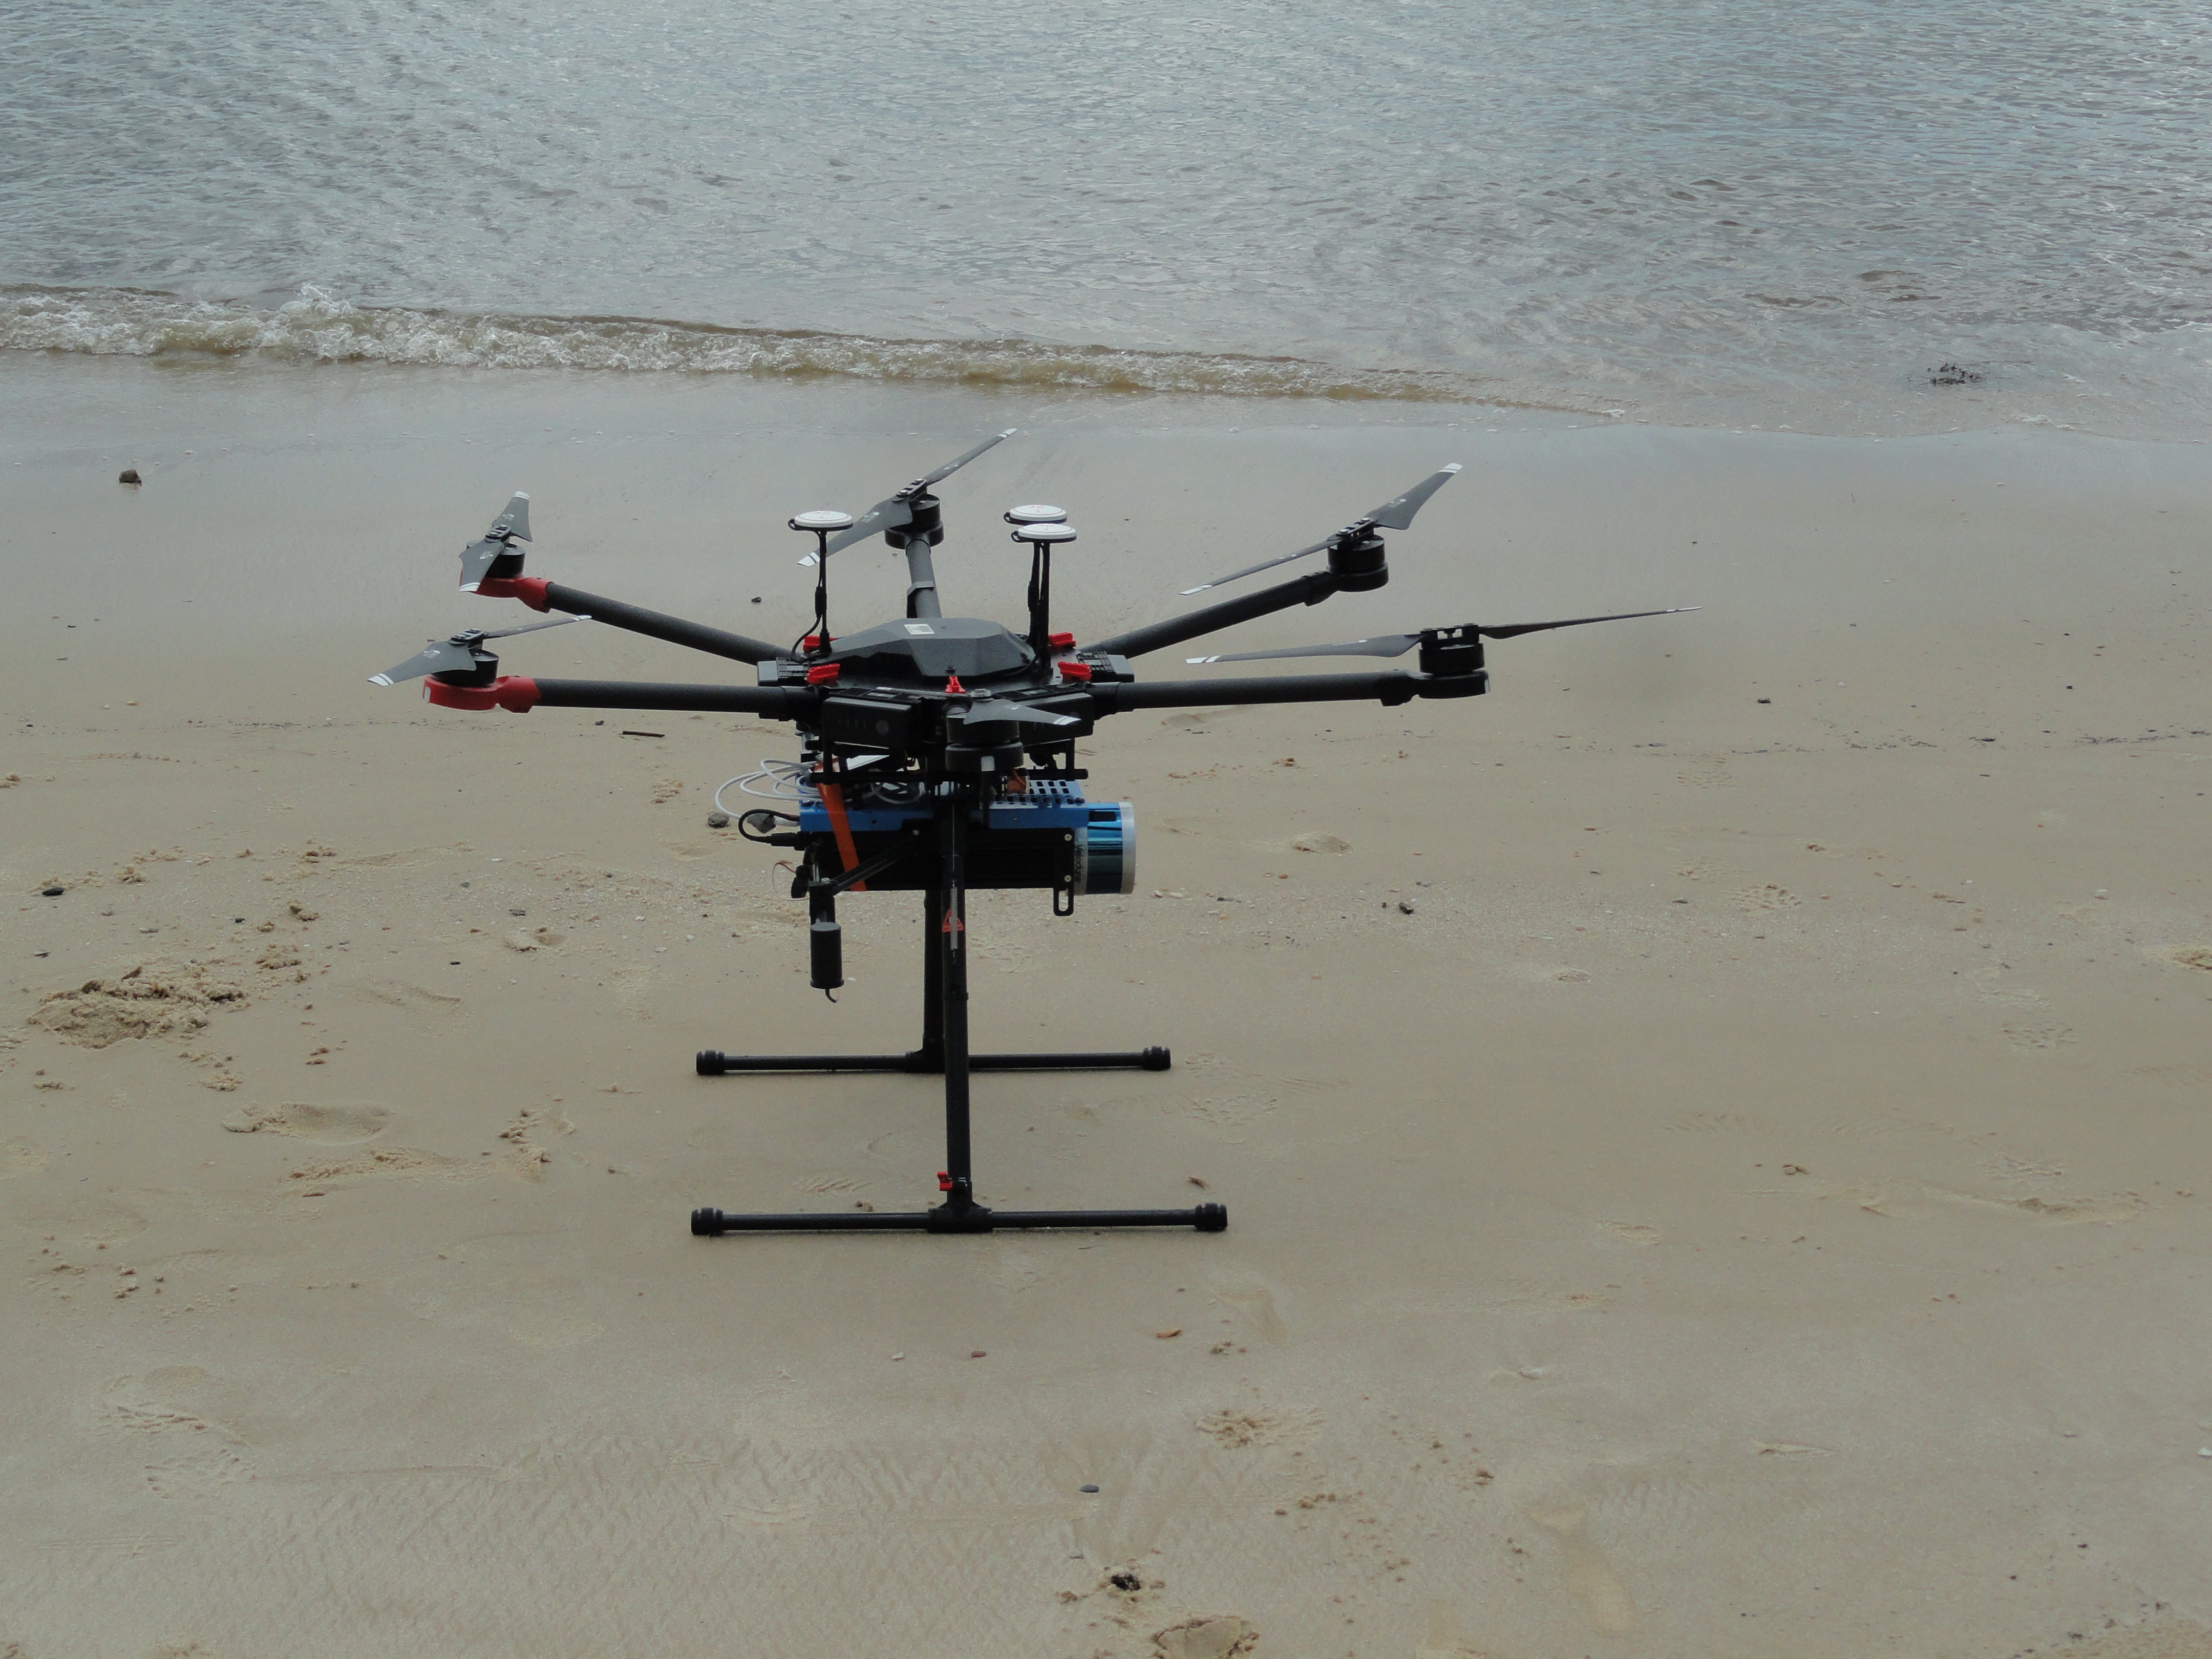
(318, 330)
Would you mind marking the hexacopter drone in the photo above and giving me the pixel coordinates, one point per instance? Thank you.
(938, 756)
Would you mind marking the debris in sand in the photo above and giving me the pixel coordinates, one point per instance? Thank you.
(1250, 1426)
(130, 476)
(1315, 841)
(140, 1004)
(1172, 1330)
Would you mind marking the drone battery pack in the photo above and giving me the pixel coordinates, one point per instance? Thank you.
(1049, 836)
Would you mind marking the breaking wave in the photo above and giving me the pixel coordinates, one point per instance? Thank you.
(320, 327)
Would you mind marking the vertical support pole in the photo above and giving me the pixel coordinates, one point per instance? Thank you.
(920, 579)
(952, 937)
(1039, 603)
(933, 979)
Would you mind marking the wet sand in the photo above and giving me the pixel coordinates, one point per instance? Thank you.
(1716, 1155)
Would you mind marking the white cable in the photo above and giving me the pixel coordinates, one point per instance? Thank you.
(783, 782)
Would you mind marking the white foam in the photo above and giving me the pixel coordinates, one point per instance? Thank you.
(322, 327)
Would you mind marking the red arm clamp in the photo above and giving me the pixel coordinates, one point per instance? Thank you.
(513, 692)
(531, 590)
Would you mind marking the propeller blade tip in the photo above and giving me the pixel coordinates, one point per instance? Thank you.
(1188, 591)
(1455, 467)
(380, 679)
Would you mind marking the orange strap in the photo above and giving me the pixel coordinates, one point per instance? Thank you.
(833, 802)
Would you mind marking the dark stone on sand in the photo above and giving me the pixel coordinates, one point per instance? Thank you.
(1124, 1581)
(51, 892)
(1954, 374)
(129, 475)
(1086, 1489)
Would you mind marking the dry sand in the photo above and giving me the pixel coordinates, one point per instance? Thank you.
(1756, 1202)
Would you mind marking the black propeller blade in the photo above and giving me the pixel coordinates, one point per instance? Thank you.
(1396, 514)
(457, 655)
(511, 526)
(893, 512)
(1514, 629)
(1396, 645)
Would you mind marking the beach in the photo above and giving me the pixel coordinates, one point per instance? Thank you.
(1713, 1132)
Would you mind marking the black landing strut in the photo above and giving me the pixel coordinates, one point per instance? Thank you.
(943, 1052)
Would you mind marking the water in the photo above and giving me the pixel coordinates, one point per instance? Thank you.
(1699, 211)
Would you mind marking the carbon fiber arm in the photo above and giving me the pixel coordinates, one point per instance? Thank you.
(776, 701)
(1386, 686)
(1306, 590)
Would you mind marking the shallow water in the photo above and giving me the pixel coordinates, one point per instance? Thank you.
(1714, 214)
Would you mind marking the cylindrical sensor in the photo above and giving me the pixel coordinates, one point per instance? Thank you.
(826, 940)
(1106, 850)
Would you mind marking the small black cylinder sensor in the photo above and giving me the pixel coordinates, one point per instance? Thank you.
(827, 940)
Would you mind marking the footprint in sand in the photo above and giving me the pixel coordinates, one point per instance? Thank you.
(1231, 1117)
(1237, 1426)
(1443, 1640)
(381, 1161)
(399, 994)
(1255, 1303)
(1630, 1232)
(20, 1157)
(1588, 1575)
(328, 1126)
(1712, 1123)
(195, 1420)
(1205, 1635)
(2039, 1036)
(1767, 897)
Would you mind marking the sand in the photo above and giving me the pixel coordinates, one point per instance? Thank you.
(1716, 1138)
